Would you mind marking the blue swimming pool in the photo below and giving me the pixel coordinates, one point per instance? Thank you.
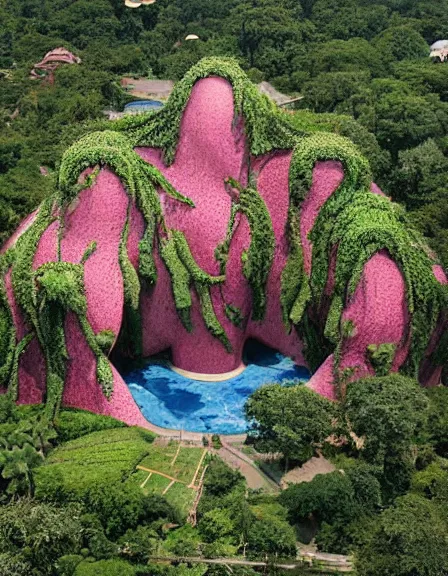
(143, 106)
(170, 400)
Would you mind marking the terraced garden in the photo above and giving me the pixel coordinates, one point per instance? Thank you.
(108, 456)
(173, 471)
(121, 455)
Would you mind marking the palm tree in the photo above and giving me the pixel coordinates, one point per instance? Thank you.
(18, 437)
(43, 432)
(18, 465)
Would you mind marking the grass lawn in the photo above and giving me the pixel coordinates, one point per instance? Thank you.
(103, 457)
(160, 458)
(111, 456)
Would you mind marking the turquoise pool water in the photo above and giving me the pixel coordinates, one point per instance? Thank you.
(170, 400)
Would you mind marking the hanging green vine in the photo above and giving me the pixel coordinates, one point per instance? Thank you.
(295, 289)
(266, 127)
(185, 272)
(7, 328)
(61, 290)
(260, 255)
(360, 224)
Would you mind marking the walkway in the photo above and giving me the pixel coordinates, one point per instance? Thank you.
(317, 563)
(237, 460)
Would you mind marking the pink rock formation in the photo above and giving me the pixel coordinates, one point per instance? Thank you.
(209, 152)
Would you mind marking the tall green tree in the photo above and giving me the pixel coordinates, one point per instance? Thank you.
(291, 420)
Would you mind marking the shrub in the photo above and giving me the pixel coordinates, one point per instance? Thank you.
(71, 424)
(139, 544)
(366, 486)
(14, 565)
(410, 538)
(99, 546)
(44, 531)
(220, 479)
(66, 565)
(327, 496)
(216, 442)
(183, 542)
(271, 536)
(216, 524)
(105, 568)
(438, 419)
(124, 506)
(387, 411)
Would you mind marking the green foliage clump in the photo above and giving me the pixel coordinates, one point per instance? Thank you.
(7, 328)
(387, 412)
(328, 496)
(292, 420)
(437, 426)
(381, 356)
(266, 128)
(39, 533)
(220, 479)
(115, 567)
(272, 536)
(410, 537)
(260, 255)
(72, 424)
(124, 507)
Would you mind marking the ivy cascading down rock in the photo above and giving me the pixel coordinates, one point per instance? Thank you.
(199, 226)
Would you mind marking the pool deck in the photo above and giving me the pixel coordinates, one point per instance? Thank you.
(193, 437)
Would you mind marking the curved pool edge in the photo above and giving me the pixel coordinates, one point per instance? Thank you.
(171, 400)
(198, 377)
(186, 436)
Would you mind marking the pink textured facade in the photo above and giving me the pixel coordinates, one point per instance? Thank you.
(210, 151)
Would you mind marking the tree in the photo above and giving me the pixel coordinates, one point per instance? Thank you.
(124, 507)
(139, 544)
(292, 420)
(421, 175)
(216, 524)
(328, 497)
(409, 538)
(401, 43)
(39, 534)
(387, 412)
(348, 18)
(18, 467)
(437, 424)
(220, 478)
(271, 536)
(328, 90)
(405, 120)
(353, 55)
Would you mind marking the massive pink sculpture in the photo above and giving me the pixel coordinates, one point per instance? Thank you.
(257, 231)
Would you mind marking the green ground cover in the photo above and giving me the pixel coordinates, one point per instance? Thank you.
(104, 457)
(160, 459)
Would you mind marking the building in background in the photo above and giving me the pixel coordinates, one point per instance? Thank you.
(51, 61)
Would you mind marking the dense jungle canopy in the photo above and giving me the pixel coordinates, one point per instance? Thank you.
(364, 59)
